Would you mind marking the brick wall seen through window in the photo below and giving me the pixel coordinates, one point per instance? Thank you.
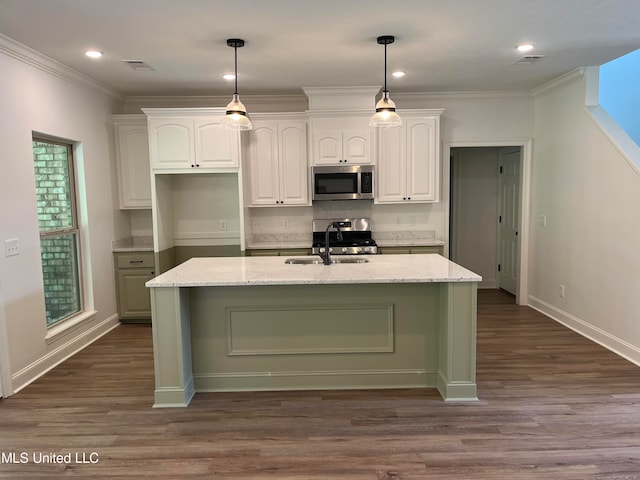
(59, 235)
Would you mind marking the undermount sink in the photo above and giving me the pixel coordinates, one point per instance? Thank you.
(318, 261)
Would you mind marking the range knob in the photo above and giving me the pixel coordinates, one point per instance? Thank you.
(344, 249)
(321, 249)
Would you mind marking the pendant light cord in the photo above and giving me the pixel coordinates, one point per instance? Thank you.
(385, 91)
(235, 50)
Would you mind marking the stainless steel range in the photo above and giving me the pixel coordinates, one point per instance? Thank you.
(353, 238)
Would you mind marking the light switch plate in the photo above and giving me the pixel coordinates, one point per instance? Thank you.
(12, 247)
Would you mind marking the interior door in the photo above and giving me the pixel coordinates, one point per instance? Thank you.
(509, 219)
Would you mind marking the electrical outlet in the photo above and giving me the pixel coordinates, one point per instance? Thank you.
(223, 224)
(561, 291)
(11, 247)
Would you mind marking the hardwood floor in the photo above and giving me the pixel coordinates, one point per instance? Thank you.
(553, 405)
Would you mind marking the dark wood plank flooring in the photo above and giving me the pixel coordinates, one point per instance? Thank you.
(552, 405)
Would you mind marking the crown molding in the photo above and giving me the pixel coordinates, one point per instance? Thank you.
(35, 59)
(423, 96)
(563, 80)
(254, 103)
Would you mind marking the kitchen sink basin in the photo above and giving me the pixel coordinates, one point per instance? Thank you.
(318, 261)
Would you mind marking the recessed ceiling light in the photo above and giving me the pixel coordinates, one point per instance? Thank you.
(524, 47)
(229, 76)
(93, 53)
(398, 74)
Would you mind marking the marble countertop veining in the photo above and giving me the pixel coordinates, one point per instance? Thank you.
(133, 244)
(239, 271)
(279, 241)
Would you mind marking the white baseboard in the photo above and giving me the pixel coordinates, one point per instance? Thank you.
(596, 334)
(55, 357)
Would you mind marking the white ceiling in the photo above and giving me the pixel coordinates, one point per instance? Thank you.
(443, 45)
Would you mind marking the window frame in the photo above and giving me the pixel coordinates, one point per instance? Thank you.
(72, 231)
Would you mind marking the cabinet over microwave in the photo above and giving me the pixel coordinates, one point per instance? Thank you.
(343, 182)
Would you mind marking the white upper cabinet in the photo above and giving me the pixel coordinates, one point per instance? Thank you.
(132, 154)
(341, 139)
(408, 167)
(191, 142)
(215, 147)
(278, 167)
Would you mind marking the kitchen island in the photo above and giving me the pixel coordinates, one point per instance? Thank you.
(258, 323)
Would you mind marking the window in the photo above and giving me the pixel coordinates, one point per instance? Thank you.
(59, 234)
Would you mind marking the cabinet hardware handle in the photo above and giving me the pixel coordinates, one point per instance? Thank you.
(136, 261)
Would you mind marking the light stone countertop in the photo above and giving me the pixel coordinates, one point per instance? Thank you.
(237, 271)
(133, 244)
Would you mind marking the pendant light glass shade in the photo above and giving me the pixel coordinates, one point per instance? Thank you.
(236, 115)
(385, 115)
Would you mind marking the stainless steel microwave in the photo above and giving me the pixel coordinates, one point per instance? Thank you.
(342, 182)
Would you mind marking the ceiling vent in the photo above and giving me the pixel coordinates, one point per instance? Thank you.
(529, 59)
(138, 65)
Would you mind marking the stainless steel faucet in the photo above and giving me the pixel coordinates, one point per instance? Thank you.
(326, 255)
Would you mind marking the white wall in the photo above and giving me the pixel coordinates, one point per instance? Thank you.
(39, 95)
(589, 192)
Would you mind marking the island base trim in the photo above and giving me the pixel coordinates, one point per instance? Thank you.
(330, 380)
(457, 392)
(171, 397)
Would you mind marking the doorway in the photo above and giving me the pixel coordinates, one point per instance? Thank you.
(487, 211)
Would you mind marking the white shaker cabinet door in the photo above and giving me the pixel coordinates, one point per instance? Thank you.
(278, 167)
(215, 147)
(171, 143)
(408, 168)
(342, 139)
(263, 167)
(391, 168)
(293, 166)
(422, 160)
(132, 153)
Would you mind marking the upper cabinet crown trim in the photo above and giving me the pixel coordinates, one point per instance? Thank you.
(191, 112)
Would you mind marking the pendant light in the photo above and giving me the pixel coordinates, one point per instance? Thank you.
(236, 117)
(385, 115)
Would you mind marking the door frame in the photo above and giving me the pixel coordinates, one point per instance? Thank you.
(5, 374)
(522, 288)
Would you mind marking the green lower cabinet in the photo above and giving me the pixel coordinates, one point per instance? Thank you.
(267, 252)
(133, 270)
(410, 249)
